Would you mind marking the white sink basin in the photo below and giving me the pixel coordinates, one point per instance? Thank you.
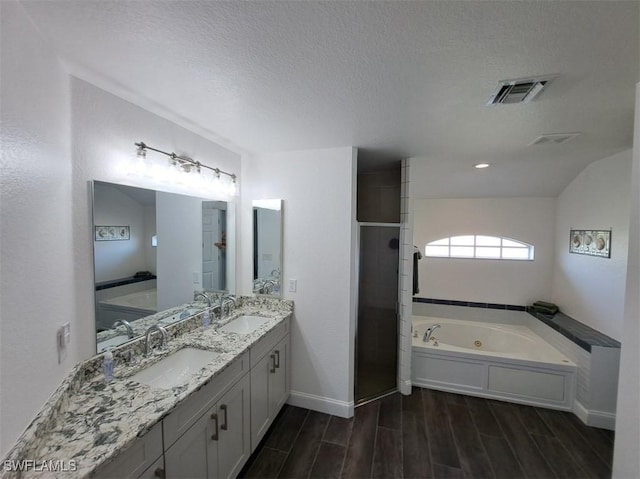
(244, 324)
(175, 370)
(112, 342)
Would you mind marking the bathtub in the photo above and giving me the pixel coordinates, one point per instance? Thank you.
(146, 300)
(497, 361)
(130, 306)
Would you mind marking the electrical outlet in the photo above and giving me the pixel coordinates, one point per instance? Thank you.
(293, 285)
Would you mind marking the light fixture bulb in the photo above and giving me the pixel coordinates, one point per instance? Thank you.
(481, 166)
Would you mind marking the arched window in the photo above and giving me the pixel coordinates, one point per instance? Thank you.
(481, 247)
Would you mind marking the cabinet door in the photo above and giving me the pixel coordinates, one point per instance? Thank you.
(234, 445)
(195, 454)
(260, 399)
(155, 470)
(279, 379)
(137, 458)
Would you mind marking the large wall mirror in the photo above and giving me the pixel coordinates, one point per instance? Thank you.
(267, 247)
(153, 249)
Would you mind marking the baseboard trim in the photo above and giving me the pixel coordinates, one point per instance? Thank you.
(601, 419)
(321, 404)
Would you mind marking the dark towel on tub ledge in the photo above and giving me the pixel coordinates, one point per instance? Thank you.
(416, 256)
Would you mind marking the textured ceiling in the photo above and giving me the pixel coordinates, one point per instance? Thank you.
(395, 79)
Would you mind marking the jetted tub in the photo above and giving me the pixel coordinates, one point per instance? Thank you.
(129, 306)
(498, 361)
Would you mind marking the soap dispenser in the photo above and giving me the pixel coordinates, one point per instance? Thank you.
(107, 365)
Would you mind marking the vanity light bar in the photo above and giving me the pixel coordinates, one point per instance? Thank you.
(187, 164)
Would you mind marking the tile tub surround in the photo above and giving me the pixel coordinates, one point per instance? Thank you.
(91, 422)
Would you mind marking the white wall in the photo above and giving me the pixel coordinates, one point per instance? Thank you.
(587, 288)
(36, 245)
(626, 460)
(318, 189)
(119, 259)
(179, 227)
(104, 129)
(531, 220)
(46, 237)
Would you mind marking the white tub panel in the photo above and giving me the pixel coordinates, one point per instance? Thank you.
(534, 373)
(533, 384)
(449, 372)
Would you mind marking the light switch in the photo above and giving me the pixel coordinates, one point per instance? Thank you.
(196, 278)
(293, 285)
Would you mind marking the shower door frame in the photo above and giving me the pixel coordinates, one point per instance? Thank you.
(361, 224)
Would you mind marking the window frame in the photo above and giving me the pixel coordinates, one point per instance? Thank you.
(440, 243)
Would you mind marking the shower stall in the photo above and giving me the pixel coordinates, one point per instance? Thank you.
(377, 324)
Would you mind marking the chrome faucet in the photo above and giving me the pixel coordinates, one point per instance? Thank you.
(269, 286)
(206, 298)
(124, 323)
(165, 338)
(429, 332)
(226, 300)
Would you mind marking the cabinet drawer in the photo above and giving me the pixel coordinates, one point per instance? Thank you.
(186, 414)
(265, 344)
(137, 458)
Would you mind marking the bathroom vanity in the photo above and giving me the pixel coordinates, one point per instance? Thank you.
(204, 425)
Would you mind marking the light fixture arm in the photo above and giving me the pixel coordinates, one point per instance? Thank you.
(185, 162)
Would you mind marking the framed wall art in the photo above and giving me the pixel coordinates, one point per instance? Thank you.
(590, 242)
(112, 233)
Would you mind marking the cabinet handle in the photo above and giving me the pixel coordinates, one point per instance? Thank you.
(273, 363)
(223, 408)
(277, 358)
(159, 472)
(214, 436)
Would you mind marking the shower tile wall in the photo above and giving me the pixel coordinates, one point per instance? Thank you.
(406, 278)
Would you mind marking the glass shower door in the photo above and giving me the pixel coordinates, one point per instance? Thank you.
(377, 329)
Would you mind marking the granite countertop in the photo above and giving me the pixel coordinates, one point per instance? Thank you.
(89, 421)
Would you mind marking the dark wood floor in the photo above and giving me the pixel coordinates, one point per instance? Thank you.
(431, 434)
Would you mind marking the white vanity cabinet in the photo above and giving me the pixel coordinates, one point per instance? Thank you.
(269, 380)
(213, 432)
(218, 444)
(209, 435)
(141, 459)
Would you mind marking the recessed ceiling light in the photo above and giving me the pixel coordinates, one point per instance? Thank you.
(482, 165)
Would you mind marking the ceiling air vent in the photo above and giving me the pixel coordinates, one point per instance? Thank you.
(521, 90)
(554, 139)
